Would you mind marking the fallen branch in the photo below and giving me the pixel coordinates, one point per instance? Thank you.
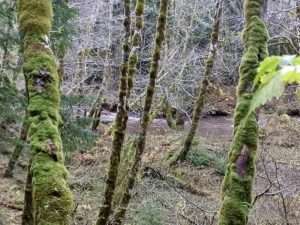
(172, 181)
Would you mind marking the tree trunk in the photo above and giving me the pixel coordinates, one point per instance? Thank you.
(237, 183)
(127, 69)
(95, 113)
(27, 217)
(17, 151)
(52, 201)
(298, 25)
(198, 107)
(139, 144)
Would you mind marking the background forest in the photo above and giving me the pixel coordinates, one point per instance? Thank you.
(156, 112)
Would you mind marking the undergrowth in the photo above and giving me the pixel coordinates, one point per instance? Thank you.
(149, 214)
(200, 156)
(12, 110)
(76, 132)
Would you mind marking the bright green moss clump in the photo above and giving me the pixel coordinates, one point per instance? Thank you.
(52, 200)
(52, 197)
(35, 16)
(237, 184)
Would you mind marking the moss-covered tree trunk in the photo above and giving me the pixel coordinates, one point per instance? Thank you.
(52, 201)
(237, 183)
(199, 103)
(139, 144)
(169, 113)
(96, 110)
(128, 69)
(135, 41)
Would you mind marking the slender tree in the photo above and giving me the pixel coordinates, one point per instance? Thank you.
(23, 134)
(237, 183)
(8, 38)
(52, 201)
(136, 42)
(96, 110)
(27, 217)
(139, 144)
(198, 107)
(128, 69)
(17, 151)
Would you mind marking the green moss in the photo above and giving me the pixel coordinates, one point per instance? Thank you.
(238, 180)
(200, 156)
(127, 72)
(137, 147)
(52, 199)
(127, 159)
(50, 191)
(136, 44)
(35, 16)
(233, 208)
(139, 12)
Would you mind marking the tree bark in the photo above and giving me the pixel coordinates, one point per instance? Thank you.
(95, 113)
(17, 151)
(139, 143)
(52, 200)
(240, 172)
(128, 69)
(27, 216)
(199, 104)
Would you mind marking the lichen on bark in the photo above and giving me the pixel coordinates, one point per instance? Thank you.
(237, 183)
(52, 200)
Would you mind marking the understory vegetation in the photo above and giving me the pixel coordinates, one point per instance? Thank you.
(149, 112)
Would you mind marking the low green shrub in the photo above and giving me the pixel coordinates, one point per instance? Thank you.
(202, 157)
(149, 214)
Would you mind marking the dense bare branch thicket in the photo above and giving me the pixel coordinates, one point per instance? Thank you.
(203, 87)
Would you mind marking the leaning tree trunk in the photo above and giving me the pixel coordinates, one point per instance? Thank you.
(17, 151)
(202, 87)
(135, 41)
(237, 183)
(52, 201)
(139, 144)
(27, 217)
(128, 70)
(96, 110)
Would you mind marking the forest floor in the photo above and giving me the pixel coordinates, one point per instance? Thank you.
(189, 193)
